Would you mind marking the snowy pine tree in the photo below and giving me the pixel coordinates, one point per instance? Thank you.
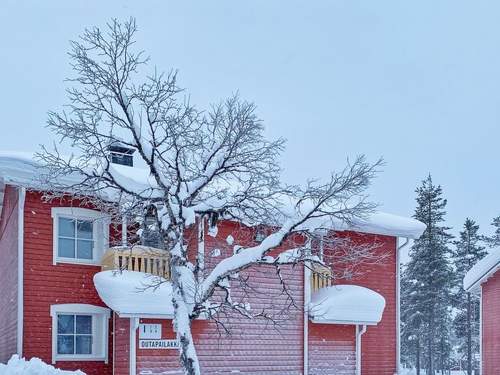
(426, 284)
(494, 240)
(468, 251)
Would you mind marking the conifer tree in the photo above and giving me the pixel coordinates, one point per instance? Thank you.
(468, 251)
(426, 282)
(494, 240)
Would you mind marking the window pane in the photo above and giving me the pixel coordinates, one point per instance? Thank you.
(66, 248)
(65, 344)
(66, 227)
(85, 249)
(84, 229)
(65, 324)
(83, 344)
(84, 324)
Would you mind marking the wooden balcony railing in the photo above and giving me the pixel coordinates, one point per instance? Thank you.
(138, 258)
(321, 277)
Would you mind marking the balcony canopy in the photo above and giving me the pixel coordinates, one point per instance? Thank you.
(135, 294)
(346, 304)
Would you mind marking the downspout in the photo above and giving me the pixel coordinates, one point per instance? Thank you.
(481, 331)
(20, 269)
(307, 298)
(398, 301)
(359, 333)
(134, 323)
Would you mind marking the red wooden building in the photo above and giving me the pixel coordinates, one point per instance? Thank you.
(61, 301)
(484, 279)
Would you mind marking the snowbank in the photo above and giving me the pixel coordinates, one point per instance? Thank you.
(35, 366)
(346, 304)
(482, 270)
(132, 293)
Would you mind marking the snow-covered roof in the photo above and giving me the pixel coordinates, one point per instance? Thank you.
(482, 270)
(135, 294)
(346, 304)
(20, 168)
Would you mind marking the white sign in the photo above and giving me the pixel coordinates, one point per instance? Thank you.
(150, 331)
(158, 344)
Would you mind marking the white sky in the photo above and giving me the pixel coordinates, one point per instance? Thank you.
(417, 83)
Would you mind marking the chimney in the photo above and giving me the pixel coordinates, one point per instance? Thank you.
(121, 154)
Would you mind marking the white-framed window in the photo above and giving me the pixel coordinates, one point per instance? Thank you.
(80, 235)
(79, 332)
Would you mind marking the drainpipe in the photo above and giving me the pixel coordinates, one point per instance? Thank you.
(398, 302)
(481, 331)
(134, 323)
(307, 298)
(360, 330)
(20, 270)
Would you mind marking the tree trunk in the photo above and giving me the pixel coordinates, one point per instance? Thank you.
(430, 365)
(469, 335)
(417, 362)
(182, 299)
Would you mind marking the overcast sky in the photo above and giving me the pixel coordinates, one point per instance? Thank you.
(414, 82)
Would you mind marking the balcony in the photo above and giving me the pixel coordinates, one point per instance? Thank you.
(138, 258)
(321, 277)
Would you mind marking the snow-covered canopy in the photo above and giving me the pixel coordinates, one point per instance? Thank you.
(19, 168)
(135, 294)
(346, 304)
(482, 270)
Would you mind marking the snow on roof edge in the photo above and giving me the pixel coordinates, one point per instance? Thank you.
(482, 270)
(20, 168)
(346, 304)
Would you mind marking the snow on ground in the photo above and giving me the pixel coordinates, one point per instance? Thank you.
(35, 366)
(408, 371)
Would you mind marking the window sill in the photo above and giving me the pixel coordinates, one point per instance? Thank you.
(80, 359)
(76, 261)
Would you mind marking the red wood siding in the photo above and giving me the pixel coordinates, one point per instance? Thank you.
(378, 344)
(46, 284)
(8, 273)
(253, 346)
(153, 361)
(122, 345)
(332, 349)
(490, 330)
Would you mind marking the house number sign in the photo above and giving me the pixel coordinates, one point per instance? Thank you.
(158, 344)
(150, 338)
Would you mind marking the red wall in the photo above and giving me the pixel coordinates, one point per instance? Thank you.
(252, 346)
(46, 284)
(490, 330)
(332, 349)
(122, 345)
(379, 342)
(8, 274)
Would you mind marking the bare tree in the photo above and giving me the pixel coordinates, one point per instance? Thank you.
(202, 164)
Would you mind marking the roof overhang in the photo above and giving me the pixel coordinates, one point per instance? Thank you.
(482, 271)
(135, 294)
(346, 304)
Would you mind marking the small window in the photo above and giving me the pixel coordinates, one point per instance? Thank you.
(79, 332)
(74, 334)
(80, 235)
(75, 238)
